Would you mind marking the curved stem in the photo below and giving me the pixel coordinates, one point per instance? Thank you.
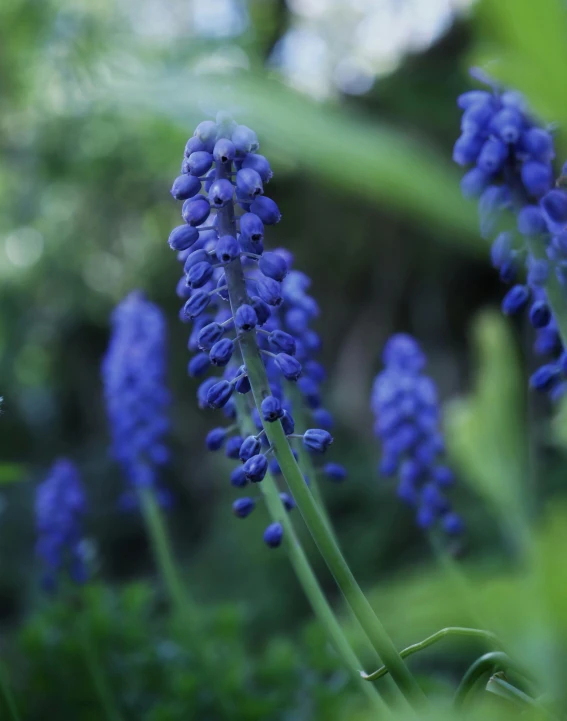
(434, 638)
(98, 677)
(8, 695)
(305, 574)
(307, 506)
(484, 666)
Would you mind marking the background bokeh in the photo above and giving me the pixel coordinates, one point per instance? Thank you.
(354, 104)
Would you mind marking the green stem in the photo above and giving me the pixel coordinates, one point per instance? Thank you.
(305, 574)
(484, 666)
(306, 504)
(98, 677)
(500, 687)
(434, 638)
(8, 695)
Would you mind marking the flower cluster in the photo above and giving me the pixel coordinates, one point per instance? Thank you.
(512, 158)
(59, 510)
(404, 402)
(265, 305)
(137, 400)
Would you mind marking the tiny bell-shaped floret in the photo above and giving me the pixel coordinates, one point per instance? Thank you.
(219, 394)
(243, 507)
(323, 418)
(288, 424)
(248, 184)
(200, 162)
(282, 341)
(467, 148)
(245, 140)
(221, 192)
(508, 124)
(196, 210)
(238, 477)
(287, 501)
(539, 144)
(536, 177)
(227, 248)
(198, 365)
(531, 221)
(317, 440)
(502, 249)
(271, 409)
(272, 265)
(554, 207)
(266, 209)
(221, 352)
(232, 449)
(242, 385)
(196, 304)
(209, 335)
(193, 145)
(262, 309)
(199, 274)
(538, 270)
(207, 133)
(474, 182)
(335, 471)
(452, 524)
(250, 447)
(215, 439)
(245, 318)
(545, 377)
(252, 228)
(183, 237)
(289, 366)
(273, 535)
(269, 291)
(197, 256)
(185, 186)
(260, 164)
(256, 467)
(492, 156)
(515, 299)
(224, 151)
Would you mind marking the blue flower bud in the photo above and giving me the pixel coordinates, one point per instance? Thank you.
(539, 144)
(197, 256)
(248, 184)
(243, 507)
(310, 391)
(406, 492)
(196, 304)
(200, 162)
(215, 439)
(224, 150)
(262, 309)
(250, 447)
(185, 186)
(238, 477)
(245, 140)
(515, 299)
(335, 471)
(195, 210)
(269, 291)
(199, 274)
(443, 476)
(198, 365)
(207, 134)
(252, 228)
(537, 177)
(282, 341)
(182, 290)
(289, 366)
(266, 210)
(317, 440)
(245, 318)
(323, 418)
(221, 192)
(288, 424)
(545, 377)
(477, 117)
(403, 352)
(502, 249)
(183, 237)
(509, 270)
(288, 502)
(452, 524)
(493, 155)
(209, 335)
(256, 467)
(547, 342)
(219, 394)
(538, 270)
(315, 370)
(508, 124)
(227, 249)
(233, 444)
(273, 535)
(193, 145)
(474, 182)
(531, 221)
(203, 390)
(221, 352)
(273, 266)
(559, 242)
(426, 517)
(554, 207)
(260, 164)
(271, 409)
(221, 283)
(242, 385)
(467, 148)
(474, 97)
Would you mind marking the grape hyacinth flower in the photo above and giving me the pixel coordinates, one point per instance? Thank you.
(243, 301)
(511, 158)
(405, 404)
(59, 510)
(137, 400)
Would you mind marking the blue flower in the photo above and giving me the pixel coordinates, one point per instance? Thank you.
(405, 404)
(59, 510)
(137, 399)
